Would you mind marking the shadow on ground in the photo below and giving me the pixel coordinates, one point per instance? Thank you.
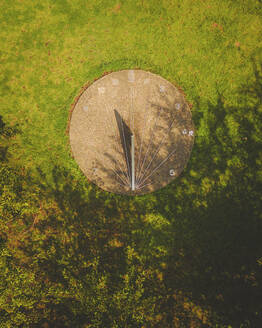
(215, 210)
(199, 236)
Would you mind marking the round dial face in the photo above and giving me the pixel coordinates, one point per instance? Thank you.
(131, 132)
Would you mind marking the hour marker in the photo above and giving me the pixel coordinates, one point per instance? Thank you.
(131, 76)
(101, 90)
(85, 108)
(146, 81)
(162, 88)
(115, 81)
(172, 172)
(184, 131)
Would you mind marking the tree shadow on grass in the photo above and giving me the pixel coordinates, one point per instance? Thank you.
(84, 239)
(216, 211)
(203, 232)
(6, 132)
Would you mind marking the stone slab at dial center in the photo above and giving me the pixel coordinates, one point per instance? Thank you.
(121, 105)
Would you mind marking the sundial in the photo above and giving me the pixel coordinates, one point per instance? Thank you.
(131, 132)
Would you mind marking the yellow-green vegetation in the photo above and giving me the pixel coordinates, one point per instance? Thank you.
(73, 255)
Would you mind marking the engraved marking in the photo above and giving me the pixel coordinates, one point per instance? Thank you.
(131, 76)
(172, 172)
(101, 90)
(162, 88)
(115, 81)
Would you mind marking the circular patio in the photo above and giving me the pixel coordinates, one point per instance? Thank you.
(131, 132)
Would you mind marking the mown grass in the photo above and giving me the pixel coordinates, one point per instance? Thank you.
(49, 50)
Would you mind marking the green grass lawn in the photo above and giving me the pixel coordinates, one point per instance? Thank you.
(49, 50)
(202, 232)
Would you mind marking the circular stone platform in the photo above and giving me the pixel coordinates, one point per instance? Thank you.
(131, 105)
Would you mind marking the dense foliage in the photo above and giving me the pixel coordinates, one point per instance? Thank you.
(189, 255)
